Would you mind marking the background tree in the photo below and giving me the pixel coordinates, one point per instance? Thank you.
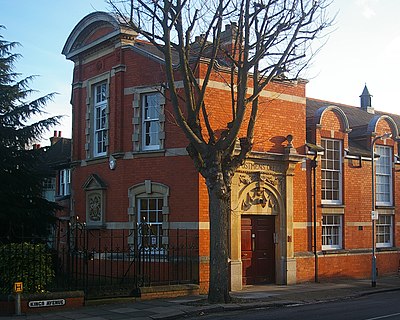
(23, 211)
(272, 40)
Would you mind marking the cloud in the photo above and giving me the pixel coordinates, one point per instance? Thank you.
(367, 7)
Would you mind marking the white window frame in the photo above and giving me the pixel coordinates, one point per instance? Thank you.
(100, 119)
(150, 190)
(331, 171)
(49, 183)
(65, 182)
(330, 239)
(383, 176)
(384, 231)
(151, 220)
(151, 122)
(49, 188)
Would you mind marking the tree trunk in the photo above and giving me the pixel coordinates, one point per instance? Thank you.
(219, 208)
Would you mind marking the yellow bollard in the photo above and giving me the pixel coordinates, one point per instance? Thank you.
(18, 288)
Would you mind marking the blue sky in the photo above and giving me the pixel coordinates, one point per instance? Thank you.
(42, 28)
(364, 48)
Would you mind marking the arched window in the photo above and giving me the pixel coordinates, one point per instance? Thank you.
(148, 209)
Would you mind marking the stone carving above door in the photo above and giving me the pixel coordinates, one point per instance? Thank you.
(246, 179)
(257, 187)
(259, 200)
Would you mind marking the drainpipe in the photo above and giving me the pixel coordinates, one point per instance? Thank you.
(314, 164)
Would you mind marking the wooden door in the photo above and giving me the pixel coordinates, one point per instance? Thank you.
(258, 249)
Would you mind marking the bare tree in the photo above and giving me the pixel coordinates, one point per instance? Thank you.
(271, 39)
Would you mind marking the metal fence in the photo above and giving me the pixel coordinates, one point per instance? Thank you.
(101, 262)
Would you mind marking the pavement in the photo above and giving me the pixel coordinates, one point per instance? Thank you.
(260, 296)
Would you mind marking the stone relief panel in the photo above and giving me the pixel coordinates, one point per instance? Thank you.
(94, 207)
(254, 192)
(95, 189)
(259, 200)
(246, 179)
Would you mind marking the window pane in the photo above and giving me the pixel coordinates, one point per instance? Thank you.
(331, 231)
(330, 171)
(143, 204)
(100, 119)
(152, 204)
(65, 179)
(383, 174)
(384, 231)
(153, 216)
(151, 124)
(150, 230)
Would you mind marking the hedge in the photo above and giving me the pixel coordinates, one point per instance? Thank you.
(28, 263)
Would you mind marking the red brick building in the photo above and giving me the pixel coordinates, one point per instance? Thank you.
(130, 164)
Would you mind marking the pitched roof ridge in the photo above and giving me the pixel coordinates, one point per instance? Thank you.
(331, 102)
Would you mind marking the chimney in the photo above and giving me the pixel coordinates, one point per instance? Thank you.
(200, 39)
(365, 100)
(54, 139)
(228, 37)
(230, 42)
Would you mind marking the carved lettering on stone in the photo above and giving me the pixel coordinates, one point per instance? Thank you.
(250, 166)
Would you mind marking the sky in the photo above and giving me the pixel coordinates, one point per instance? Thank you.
(362, 48)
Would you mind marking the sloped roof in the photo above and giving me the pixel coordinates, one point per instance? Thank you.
(356, 116)
(147, 49)
(360, 121)
(59, 154)
(97, 28)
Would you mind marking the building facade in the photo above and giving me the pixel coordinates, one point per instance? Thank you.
(56, 187)
(130, 164)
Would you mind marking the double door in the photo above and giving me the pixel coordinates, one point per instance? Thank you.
(258, 249)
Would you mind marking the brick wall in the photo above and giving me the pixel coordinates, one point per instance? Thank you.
(188, 201)
(354, 260)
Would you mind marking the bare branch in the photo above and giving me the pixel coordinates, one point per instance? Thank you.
(263, 40)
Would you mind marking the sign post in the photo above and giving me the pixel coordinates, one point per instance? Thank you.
(18, 289)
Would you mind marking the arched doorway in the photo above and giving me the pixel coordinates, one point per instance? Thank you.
(259, 208)
(257, 228)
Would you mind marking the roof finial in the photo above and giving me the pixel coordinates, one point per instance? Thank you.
(366, 103)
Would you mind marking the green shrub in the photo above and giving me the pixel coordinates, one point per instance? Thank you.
(29, 263)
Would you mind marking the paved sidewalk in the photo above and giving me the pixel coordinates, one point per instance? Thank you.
(250, 297)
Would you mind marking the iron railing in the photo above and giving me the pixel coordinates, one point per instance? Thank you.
(102, 262)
